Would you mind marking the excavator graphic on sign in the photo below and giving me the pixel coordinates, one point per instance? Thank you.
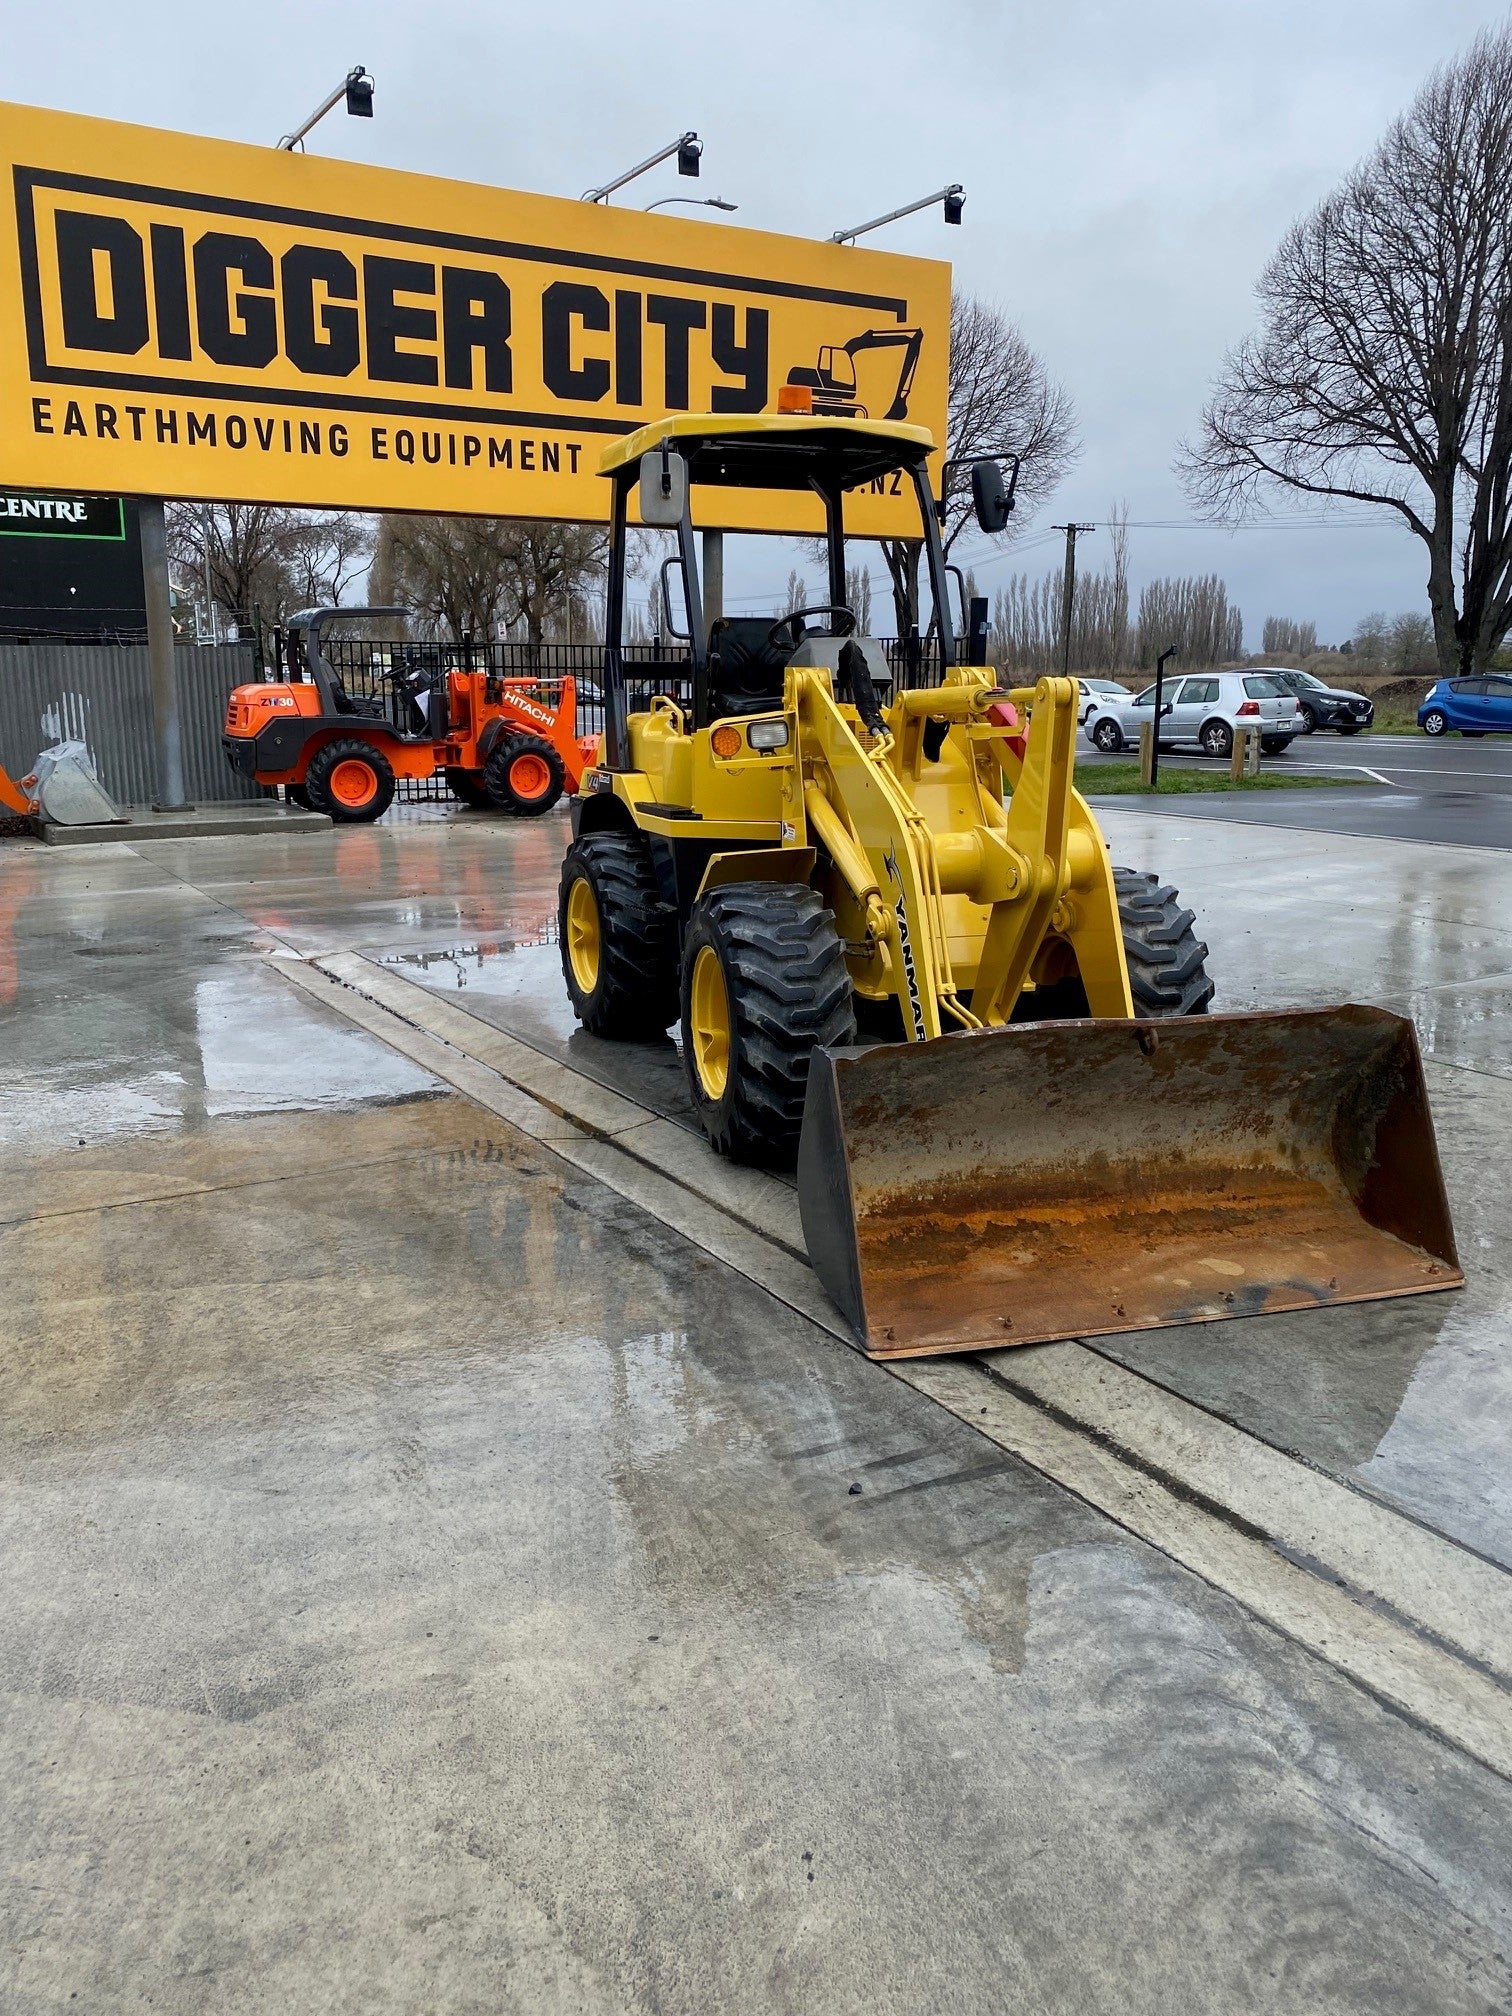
(832, 381)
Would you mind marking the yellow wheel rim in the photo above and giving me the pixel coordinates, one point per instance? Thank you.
(709, 1006)
(583, 934)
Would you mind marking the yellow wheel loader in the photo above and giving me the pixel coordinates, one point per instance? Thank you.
(1048, 1134)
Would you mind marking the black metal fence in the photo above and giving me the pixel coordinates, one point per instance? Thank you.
(366, 668)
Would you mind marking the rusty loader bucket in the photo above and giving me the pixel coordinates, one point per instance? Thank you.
(1065, 1179)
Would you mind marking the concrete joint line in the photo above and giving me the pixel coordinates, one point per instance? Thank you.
(756, 1199)
(1421, 1624)
(1419, 1679)
(1428, 1582)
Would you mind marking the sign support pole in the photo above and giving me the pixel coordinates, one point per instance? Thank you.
(713, 580)
(167, 724)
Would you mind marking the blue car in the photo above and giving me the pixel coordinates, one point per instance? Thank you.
(1474, 706)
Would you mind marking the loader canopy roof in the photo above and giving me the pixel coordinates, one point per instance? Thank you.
(776, 451)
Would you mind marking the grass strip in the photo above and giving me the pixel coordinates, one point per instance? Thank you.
(1121, 780)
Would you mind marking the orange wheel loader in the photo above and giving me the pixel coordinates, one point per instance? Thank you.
(507, 743)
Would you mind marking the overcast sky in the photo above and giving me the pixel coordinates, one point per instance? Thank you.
(1128, 166)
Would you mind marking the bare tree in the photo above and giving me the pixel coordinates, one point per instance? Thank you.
(547, 567)
(1372, 638)
(1027, 633)
(247, 547)
(1283, 637)
(1002, 402)
(325, 553)
(1194, 613)
(466, 576)
(1382, 372)
(1410, 642)
(858, 597)
(796, 594)
(267, 559)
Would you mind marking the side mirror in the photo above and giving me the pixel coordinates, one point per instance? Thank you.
(992, 492)
(673, 560)
(663, 487)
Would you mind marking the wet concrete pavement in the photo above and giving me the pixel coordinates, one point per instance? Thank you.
(427, 1582)
(1411, 1400)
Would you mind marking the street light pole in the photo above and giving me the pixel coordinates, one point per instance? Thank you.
(693, 203)
(953, 197)
(687, 147)
(356, 87)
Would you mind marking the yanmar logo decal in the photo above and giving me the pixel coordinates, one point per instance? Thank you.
(905, 942)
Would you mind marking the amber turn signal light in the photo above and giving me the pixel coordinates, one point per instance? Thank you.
(725, 741)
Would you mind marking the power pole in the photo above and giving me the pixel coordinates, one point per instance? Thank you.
(1068, 601)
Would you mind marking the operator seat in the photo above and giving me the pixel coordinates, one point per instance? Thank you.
(745, 670)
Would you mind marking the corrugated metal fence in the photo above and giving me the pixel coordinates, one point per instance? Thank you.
(101, 694)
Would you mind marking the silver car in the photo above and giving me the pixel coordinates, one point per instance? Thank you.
(1090, 691)
(1201, 710)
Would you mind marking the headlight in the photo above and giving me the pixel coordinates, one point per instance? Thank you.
(768, 734)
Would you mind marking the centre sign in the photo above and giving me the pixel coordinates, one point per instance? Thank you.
(192, 318)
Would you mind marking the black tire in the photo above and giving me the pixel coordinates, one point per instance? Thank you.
(1216, 739)
(299, 795)
(633, 997)
(786, 990)
(511, 758)
(335, 757)
(1274, 745)
(1167, 970)
(1164, 955)
(469, 787)
(1309, 720)
(1435, 722)
(1108, 736)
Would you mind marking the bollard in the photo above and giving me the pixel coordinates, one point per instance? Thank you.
(1244, 759)
(1147, 755)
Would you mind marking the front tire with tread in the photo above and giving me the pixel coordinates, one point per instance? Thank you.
(330, 758)
(517, 755)
(633, 998)
(786, 991)
(1166, 959)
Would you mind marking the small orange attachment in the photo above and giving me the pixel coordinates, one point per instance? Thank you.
(725, 741)
(11, 798)
(795, 398)
(1003, 714)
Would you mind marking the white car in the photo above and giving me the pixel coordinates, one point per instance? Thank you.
(1202, 709)
(1090, 691)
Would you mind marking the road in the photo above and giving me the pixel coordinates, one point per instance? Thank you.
(1454, 792)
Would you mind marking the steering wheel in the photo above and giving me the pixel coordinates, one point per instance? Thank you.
(842, 623)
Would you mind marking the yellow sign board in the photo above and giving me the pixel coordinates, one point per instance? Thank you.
(190, 318)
